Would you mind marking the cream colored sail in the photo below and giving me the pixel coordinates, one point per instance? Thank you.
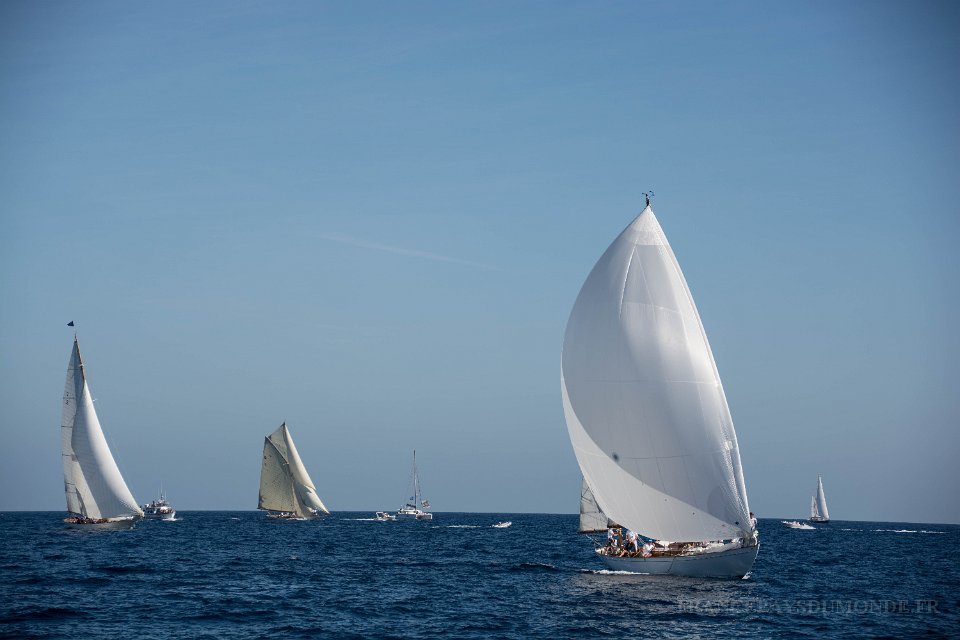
(303, 486)
(92, 482)
(645, 408)
(276, 481)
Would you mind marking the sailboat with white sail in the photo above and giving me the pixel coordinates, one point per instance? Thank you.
(286, 490)
(648, 418)
(415, 508)
(818, 504)
(97, 496)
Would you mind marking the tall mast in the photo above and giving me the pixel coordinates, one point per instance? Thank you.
(416, 482)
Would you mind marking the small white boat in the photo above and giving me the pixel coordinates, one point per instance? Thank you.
(159, 509)
(818, 504)
(416, 507)
(648, 419)
(796, 524)
(383, 516)
(502, 525)
(97, 496)
(286, 490)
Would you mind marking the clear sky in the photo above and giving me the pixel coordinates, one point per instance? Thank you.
(371, 219)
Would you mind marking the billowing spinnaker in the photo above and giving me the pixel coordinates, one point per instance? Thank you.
(93, 484)
(645, 408)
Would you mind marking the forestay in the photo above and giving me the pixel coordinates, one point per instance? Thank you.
(93, 484)
(644, 404)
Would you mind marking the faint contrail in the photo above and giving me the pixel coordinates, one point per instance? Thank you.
(413, 253)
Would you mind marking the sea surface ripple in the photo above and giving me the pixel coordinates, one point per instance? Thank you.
(238, 575)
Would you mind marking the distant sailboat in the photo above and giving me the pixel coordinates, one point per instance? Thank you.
(286, 489)
(818, 504)
(648, 418)
(415, 507)
(97, 496)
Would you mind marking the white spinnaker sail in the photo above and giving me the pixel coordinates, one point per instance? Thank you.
(276, 481)
(592, 518)
(644, 404)
(92, 482)
(303, 486)
(821, 500)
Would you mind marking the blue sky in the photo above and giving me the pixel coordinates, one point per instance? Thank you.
(371, 220)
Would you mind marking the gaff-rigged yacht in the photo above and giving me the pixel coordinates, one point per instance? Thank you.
(286, 490)
(97, 496)
(648, 419)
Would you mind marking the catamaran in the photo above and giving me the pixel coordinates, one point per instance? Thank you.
(286, 490)
(97, 496)
(648, 418)
(818, 504)
(415, 507)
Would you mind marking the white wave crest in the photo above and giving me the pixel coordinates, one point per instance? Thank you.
(611, 572)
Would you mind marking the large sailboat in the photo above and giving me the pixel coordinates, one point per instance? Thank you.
(97, 496)
(415, 508)
(286, 490)
(818, 504)
(648, 419)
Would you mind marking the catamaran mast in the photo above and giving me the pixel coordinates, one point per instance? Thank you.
(416, 482)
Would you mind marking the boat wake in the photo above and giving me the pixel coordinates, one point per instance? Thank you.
(907, 531)
(611, 572)
(360, 519)
(463, 526)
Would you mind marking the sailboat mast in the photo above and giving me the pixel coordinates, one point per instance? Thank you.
(416, 482)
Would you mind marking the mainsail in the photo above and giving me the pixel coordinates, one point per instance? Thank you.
(814, 512)
(821, 503)
(92, 482)
(285, 484)
(643, 401)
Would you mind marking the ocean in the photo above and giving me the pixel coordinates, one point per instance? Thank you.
(237, 575)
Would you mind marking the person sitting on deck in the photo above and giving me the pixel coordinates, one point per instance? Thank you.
(632, 541)
(647, 550)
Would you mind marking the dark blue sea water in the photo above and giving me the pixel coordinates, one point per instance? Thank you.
(237, 575)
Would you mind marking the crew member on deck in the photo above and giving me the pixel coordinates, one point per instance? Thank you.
(611, 537)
